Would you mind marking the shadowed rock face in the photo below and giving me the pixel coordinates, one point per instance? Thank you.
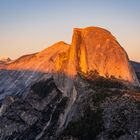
(136, 66)
(97, 113)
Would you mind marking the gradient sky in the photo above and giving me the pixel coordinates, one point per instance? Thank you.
(28, 26)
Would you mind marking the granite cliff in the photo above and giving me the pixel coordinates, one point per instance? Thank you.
(92, 49)
(84, 91)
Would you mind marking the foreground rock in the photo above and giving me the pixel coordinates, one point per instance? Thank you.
(101, 110)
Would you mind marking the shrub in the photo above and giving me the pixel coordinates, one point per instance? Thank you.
(87, 127)
(43, 87)
(98, 81)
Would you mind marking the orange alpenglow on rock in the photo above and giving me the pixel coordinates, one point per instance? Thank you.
(92, 48)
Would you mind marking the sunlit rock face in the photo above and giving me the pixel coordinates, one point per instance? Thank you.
(95, 48)
(92, 49)
(17, 76)
(43, 61)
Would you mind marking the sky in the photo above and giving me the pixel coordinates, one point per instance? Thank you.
(28, 26)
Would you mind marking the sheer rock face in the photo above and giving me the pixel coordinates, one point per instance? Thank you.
(96, 49)
(136, 66)
(92, 49)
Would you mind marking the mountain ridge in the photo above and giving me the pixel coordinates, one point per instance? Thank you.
(71, 92)
(92, 48)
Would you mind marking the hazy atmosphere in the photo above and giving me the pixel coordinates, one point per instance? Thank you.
(28, 26)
